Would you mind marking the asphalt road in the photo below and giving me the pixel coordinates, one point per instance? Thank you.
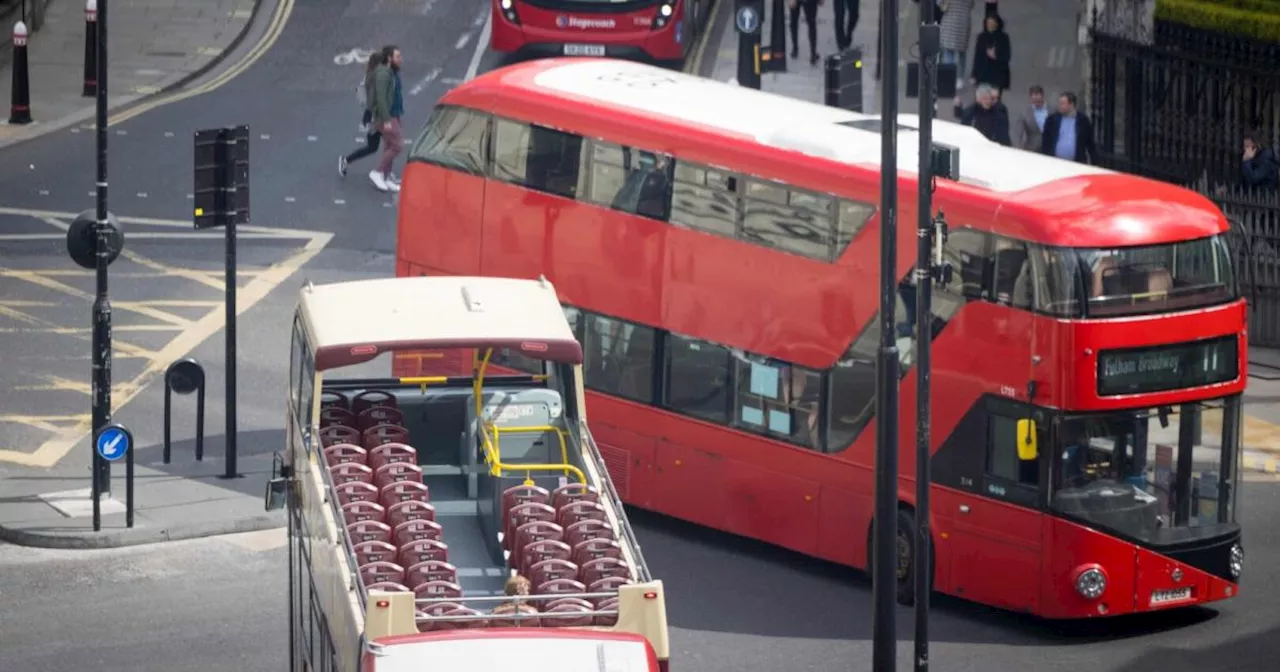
(219, 604)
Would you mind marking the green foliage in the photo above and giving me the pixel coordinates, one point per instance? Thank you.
(1255, 19)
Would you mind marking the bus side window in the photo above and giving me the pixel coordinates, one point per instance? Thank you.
(630, 180)
(968, 252)
(302, 377)
(698, 376)
(537, 157)
(618, 357)
(1002, 454)
(704, 199)
(778, 399)
(791, 220)
(851, 216)
(1012, 275)
(454, 138)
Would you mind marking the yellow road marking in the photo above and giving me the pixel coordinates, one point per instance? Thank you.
(694, 65)
(63, 217)
(274, 29)
(54, 449)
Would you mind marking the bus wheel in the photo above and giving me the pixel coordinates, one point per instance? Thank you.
(904, 571)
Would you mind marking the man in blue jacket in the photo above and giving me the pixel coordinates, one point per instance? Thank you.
(388, 107)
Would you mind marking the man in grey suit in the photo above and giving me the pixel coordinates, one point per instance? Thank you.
(1030, 122)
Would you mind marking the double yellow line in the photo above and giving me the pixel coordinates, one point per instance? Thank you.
(274, 29)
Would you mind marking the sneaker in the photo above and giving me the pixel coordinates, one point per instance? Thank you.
(342, 166)
(392, 179)
(364, 129)
(393, 186)
(376, 178)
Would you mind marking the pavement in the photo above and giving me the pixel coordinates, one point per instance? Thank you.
(154, 47)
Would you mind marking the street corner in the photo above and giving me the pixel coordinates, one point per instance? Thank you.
(166, 294)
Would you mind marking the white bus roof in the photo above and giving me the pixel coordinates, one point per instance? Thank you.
(351, 322)
(563, 654)
(788, 123)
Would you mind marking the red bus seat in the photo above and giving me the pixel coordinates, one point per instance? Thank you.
(426, 616)
(603, 568)
(530, 532)
(381, 572)
(395, 472)
(592, 549)
(422, 550)
(547, 549)
(403, 491)
(523, 494)
(415, 530)
(502, 617)
(522, 514)
(566, 621)
(358, 511)
(608, 585)
(377, 415)
(550, 570)
(404, 512)
(461, 625)
(336, 415)
(350, 472)
(379, 434)
(574, 512)
(574, 492)
(370, 398)
(587, 529)
(607, 604)
(330, 398)
(342, 453)
(375, 551)
(369, 530)
(438, 589)
(431, 570)
(561, 587)
(392, 452)
(568, 600)
(335, 434)
(390, 587)
(356, 491)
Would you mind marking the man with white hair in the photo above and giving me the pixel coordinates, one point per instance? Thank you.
(988, 115)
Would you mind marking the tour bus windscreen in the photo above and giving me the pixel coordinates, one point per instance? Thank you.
(1157, 278)
(1144, 475)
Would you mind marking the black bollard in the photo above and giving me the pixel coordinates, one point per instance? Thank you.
(184, 377)
(90, 48)
(20, 111)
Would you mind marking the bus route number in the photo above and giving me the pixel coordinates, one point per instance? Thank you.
(1008, 391)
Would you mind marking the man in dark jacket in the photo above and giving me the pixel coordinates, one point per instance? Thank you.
(988, 115)
(1260, 168)
(388, 107)
(1068, 133)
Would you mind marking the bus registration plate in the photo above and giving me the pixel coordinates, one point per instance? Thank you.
(584, 50)
(1173, 595)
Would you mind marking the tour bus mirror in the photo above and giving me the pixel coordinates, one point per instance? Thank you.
(1027, 449)
(276, 486)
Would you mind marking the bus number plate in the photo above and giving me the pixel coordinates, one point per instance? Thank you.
(584, 50)
(1174, 595)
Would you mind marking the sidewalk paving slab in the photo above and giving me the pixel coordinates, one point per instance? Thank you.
(154, 46)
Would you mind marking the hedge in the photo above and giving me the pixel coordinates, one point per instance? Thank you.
(1256, 19)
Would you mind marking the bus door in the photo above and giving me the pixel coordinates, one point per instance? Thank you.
(996, 532)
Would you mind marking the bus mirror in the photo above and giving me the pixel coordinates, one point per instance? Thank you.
(1027, 449)
(275, 494)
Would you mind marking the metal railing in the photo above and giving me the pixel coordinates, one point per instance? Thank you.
(422, 604)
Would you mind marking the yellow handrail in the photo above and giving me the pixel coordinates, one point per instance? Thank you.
(423, 381)
(564, 446)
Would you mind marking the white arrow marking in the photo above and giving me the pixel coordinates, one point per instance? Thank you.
(111, 445)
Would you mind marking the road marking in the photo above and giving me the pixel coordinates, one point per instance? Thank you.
(462, 41)
(422, 83)
(481, 44)
(146, 235)
(694, 66)
(63, 217)
(269, 37)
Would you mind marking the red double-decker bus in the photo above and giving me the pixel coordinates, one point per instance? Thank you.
(717, 251)
(661, 30)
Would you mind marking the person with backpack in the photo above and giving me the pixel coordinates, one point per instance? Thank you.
(364, 94)
(388, 108)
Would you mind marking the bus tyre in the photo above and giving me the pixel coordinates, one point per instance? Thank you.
(904, 570)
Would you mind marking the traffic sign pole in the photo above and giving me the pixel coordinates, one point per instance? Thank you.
(102, 305)
(112, 442)
(748, 15)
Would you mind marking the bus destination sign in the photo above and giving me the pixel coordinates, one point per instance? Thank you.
(1167, 367)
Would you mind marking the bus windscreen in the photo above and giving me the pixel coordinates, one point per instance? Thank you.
(1157, 278)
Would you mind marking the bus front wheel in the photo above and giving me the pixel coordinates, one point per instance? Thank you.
(904, 557)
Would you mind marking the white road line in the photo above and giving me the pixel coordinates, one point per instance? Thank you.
(481, 44)
(422, 83)
(462, 41)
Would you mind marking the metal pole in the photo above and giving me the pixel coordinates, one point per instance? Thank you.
(128, 485)
(884, 583)
(231, 332)
(929, 47)
(101, 304)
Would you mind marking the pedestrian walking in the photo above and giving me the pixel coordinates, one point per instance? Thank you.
(810, 9)
(846, 22)
(388, 108)
(1068, 133)
(1029, 125)
(954, 28)
(987, 114)
(991, 54)
(365, 94)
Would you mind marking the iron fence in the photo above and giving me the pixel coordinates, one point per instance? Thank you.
(1255, 244)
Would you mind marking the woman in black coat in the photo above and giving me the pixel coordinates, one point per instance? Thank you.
(991, 55)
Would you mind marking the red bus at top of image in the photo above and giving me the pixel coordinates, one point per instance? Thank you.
(659, 30)
(716, 249)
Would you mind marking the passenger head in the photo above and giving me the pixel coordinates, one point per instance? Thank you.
(1251, 142)
(1067, 103)
(375, 59)
(392, 55)
(985, 96)
(518, 585)
(1037, 95)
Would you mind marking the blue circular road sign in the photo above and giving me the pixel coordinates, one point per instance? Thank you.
(113, 442)
(748, 20)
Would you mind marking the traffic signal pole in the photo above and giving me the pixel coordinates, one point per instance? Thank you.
(102, 305)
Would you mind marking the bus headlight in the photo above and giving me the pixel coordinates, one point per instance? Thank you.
(1237, 561)
(509, 11)
(664, 15)
(1091, 582)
